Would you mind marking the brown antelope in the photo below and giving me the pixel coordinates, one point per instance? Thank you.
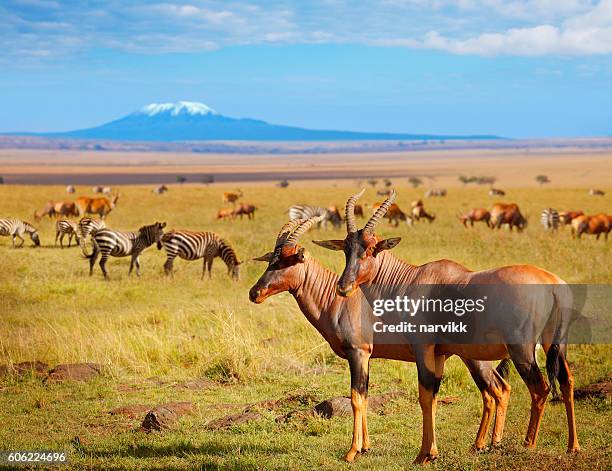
(496, 192)
(232, 196)
(565, 217)
(595, 225)
(475, 215)
(160, 190)
(65, 208)
(100, 206)
(418, 211)
(395, 215)
(507, 213)
(338, 320)
(48, 210)
(596, 192)
(245, 209)
(225, 213)
(368, 262)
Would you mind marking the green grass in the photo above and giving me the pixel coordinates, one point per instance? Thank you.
(182, 327)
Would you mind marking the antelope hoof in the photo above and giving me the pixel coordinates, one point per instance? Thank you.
(425, 458)
(574, 449)
(351, 455)
(529, 445)
(478, 448)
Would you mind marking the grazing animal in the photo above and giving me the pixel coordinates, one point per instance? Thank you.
(64, 227)
(475, 215)
(107, 190)
(100, 206)
(97, 189)
(395, 215)
(48, 210)
(304, 211)
(368, 262)
(245, 209)
(65, 208)
(160, 190)
(507, 213)
(70, 189)
(595, 192)
(432, 192)
(566, 217)
(225, 213)
(232, 196)
(550, 219)
(418, 211)
(496, 192)
(108, 242)
(190, 245)
(16, 228)
(339, 321)
(88, 226)
(595, 225)
(577, 222)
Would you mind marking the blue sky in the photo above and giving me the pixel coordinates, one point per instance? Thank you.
(517, 68)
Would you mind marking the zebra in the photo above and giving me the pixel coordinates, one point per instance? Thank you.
(304, 211)
(86, 226)
(121, 244)
(64, 227)
(550, 219)
(190, 245)
(16, 228)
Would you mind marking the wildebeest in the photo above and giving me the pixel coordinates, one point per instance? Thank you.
(435, 192)
(507, 213)
(596, 192)
(496, 192)
(100, 206)
(595, 225)
(537, 314)
(340, 321)
(475, 215)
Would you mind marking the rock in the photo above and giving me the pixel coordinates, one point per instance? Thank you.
(131, 411)
(334, 407)
(164, 416)
(234, 419)
(37, 368)
(74, 372)
(602, 389)
(198, 384)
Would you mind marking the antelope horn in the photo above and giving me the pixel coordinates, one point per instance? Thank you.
(380, 212)
(293, 238)
(351, 226)
(286, 230)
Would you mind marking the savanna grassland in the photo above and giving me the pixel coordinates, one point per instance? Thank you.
(151, 333)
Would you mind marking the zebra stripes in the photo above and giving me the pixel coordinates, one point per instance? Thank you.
(305, 211)
(190, 245)
(64, 227)
(550, 219)
(16, 228)
(108, 242)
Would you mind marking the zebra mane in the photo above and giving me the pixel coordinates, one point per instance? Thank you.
(29, 227)
(228, 254)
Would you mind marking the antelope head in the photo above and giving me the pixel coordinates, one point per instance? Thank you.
(361, 246)
(285, 263)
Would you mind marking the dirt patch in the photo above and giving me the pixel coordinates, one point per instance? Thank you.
(131, 411)
(37, 368)
(166, 415)
(234, 419)
(602, 389)
(74, 372)
(198, 384)
(448, 400)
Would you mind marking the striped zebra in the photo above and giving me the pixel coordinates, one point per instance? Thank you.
(190, 245)
(550, 219)
(64, 227)
(16, 228)
(88, 226)
(121, 244)
(305, 211)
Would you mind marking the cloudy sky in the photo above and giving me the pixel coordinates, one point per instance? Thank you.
(518, 68)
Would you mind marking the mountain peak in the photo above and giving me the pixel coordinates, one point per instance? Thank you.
(178, 108)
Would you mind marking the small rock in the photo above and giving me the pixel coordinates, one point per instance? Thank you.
(165, 415)
(74, 372)
(602, 389)
(334, 407)
(131, 411)
(234, 419)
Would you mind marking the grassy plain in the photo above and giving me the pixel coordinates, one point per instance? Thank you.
(178, 328)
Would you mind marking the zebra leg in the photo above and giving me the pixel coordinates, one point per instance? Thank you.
(137, 262)
(168, 264)
(209, 266)
(20, 238)
(93, 257)
(62, 240)
(56, 237)
(103, 260)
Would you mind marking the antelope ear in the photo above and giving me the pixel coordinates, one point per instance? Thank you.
(386, 244)
(265, 258)
(330, 244)
(301, 254)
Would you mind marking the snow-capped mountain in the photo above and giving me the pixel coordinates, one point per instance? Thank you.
(193, 121)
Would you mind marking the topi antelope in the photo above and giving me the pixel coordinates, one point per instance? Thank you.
(100, 206)
(595, 225)
(507, 213)
(338, 320)
(368, 262)
(475, 215)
